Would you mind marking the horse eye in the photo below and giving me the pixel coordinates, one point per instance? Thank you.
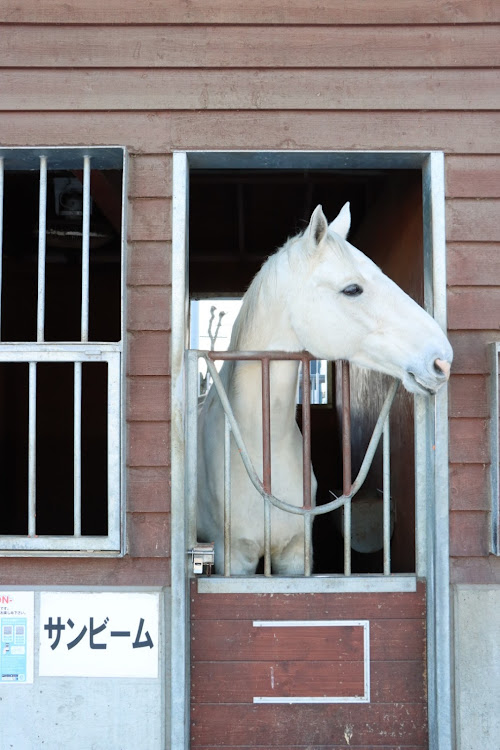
(353, 290)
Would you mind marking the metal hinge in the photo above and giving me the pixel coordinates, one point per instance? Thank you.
(203, 558)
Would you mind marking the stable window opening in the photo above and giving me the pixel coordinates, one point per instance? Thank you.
(61, 303)
(237, 219)
(225, 204)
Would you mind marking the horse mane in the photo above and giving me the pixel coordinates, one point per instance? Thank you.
(264, 282)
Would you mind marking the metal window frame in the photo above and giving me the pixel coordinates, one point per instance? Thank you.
(431, 429)
(87, 158)
(495, 447)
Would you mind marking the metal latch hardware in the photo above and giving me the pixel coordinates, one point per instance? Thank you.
(203, 558)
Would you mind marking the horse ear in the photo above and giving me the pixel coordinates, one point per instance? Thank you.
(342, 223)
(318, 226)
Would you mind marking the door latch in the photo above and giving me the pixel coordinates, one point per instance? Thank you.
(203, 556)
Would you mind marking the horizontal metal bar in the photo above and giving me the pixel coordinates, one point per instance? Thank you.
(315, 583)
(298, 160)
(57, 544)
(309, 623)
(56, 354)
(254, 355)
(28, 158)
(316, 699)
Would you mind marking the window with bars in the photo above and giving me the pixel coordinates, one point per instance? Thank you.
(61, 310)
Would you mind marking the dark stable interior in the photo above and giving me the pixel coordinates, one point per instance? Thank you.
(237, 219)
(55, 381)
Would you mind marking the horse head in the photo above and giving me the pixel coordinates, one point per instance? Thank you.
(345, 307)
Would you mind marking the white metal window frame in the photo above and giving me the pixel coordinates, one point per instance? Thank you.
(45, 159)
(431, 436)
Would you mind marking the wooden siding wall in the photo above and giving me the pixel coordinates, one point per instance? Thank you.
(234, 74)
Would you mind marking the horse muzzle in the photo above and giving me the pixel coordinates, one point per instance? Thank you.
(431, 379)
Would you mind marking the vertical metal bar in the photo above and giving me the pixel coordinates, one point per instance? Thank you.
(438, 579)
(42, 232)
(266, 460)
(308, 547)
(1, 235)
(241, 220)
(306, 464)
(179, 623)
(77, 449)
(85, 249)
(346, 463)
(32, 450)
(114, 446)
(495, 448)
(387, 497)
(191, 445)
(227, 497)
(306, 434)
(422, 474)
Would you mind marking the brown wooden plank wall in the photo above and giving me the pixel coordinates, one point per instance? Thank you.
(473, 198)
(232, 74)
(233, 661)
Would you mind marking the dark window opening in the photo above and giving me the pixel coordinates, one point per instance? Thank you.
(54, 448)
(237, 219)
(63, 267)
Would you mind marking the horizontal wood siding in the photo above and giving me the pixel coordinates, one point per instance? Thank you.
(230, 74)
(233, 661)
(249, 46)
(31, 90)
(473, 233)
(334, 12)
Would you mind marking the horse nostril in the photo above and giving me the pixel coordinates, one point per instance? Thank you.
(442, 368)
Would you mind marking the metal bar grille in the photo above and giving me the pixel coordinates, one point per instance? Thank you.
(308, 509)
(79, 353)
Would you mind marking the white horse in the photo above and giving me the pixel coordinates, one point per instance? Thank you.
(317, 293)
